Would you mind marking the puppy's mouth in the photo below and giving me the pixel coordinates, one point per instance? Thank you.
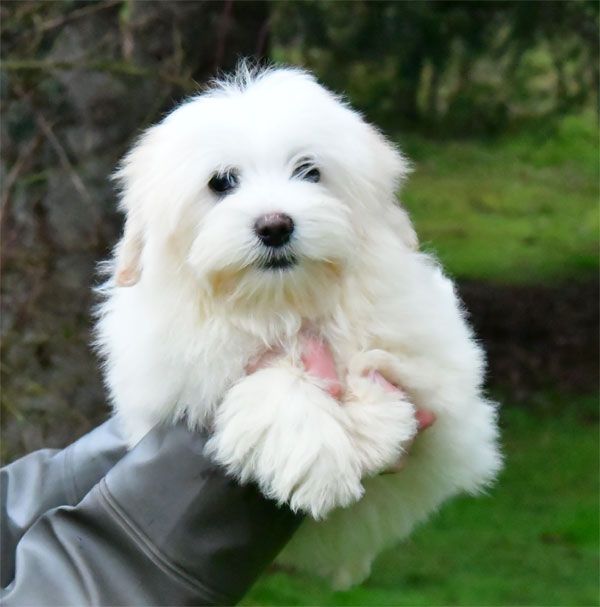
(279, 261)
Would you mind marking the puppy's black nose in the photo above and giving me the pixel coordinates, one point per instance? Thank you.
(274, 229)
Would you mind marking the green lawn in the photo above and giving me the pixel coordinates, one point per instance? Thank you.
(532, 541)
(523, 208)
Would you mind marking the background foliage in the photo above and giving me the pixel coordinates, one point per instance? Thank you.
(496, 105)
(455, 67)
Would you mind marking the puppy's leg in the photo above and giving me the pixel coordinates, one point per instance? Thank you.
(381, 422)
(280, 429)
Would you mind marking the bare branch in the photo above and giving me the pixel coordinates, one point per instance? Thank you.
(76, 14)
(15, 172)
(78, 183)
(114, 67)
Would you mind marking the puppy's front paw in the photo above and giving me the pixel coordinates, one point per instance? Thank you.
(381, 422)
(289, 436)
(331, 481)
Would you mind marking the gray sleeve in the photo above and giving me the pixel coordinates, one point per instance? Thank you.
(49, 478)
(164, 527)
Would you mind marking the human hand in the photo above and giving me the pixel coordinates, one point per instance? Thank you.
(318, 361)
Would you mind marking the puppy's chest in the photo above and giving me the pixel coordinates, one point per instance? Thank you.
(220, 352)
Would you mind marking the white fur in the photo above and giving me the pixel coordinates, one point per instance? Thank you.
(189, 308)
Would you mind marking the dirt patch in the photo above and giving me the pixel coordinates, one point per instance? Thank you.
(537, 337)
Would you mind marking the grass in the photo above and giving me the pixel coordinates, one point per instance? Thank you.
(532, 541)
(522, 208)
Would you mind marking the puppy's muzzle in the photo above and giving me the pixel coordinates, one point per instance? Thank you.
(274, 229)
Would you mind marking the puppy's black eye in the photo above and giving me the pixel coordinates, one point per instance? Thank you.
(307, 172)
(224, 183)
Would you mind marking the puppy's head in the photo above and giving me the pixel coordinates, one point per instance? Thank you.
(260, 189)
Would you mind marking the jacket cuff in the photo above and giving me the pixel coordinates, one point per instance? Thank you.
(202, 525)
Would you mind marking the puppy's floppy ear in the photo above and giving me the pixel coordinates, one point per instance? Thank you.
(133, 176)
(399, 219)
(128, 253)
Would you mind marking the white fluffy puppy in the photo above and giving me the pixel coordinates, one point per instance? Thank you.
(257, 208)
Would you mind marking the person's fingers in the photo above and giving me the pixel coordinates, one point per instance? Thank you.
(318, 361)
(425, 419)
(316, 358)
